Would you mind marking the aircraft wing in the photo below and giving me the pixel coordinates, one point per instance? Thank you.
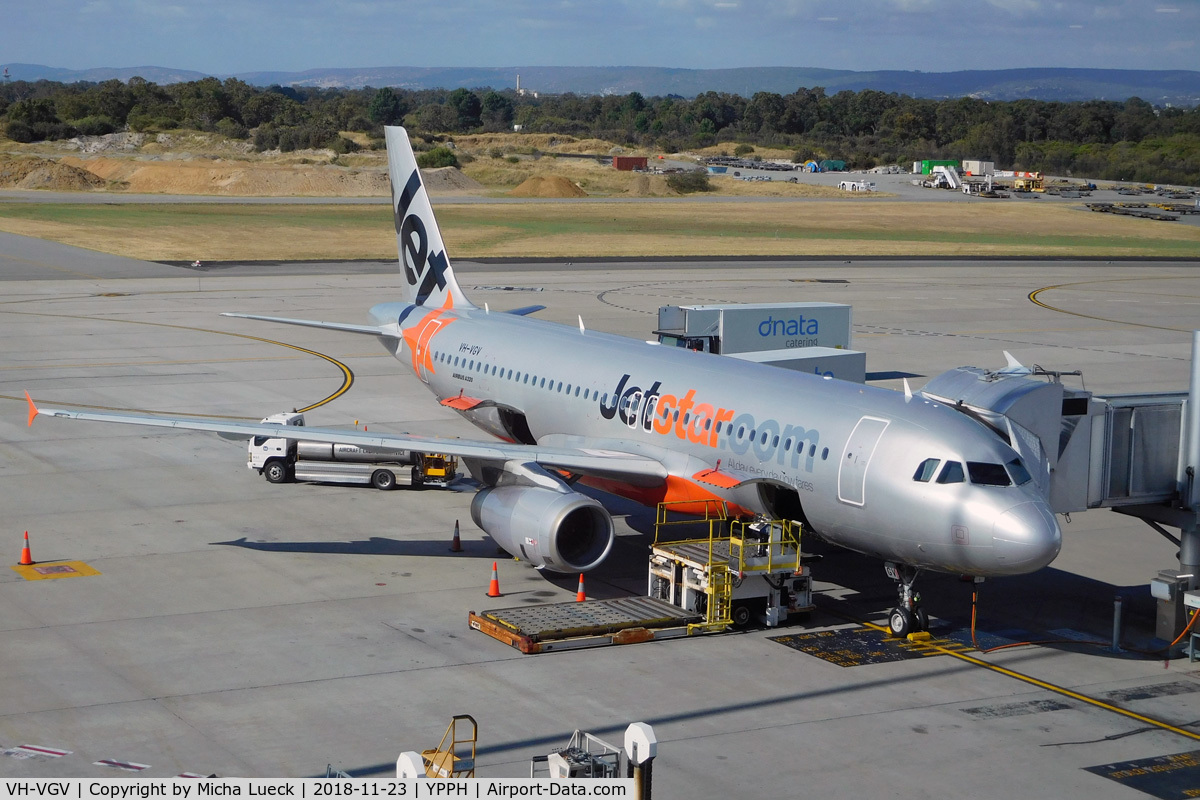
(595, 462)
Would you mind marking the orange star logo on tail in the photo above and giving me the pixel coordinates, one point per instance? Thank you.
(418, 337)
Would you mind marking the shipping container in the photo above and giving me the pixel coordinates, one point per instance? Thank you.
(628, 163)
(928, 164)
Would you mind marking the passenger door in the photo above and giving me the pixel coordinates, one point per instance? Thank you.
(852, 472)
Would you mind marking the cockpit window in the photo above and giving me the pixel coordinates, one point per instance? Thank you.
(951, 473)
(984, 474)
(927, 470)
(1019, 474)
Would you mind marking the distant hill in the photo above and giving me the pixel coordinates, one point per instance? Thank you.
(1177, 87)
(160, 75)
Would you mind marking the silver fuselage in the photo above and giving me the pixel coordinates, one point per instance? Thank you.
(848, 451)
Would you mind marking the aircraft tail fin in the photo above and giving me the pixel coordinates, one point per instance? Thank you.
(429, 280)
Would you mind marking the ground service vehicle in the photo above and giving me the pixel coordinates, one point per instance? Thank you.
(280, 459)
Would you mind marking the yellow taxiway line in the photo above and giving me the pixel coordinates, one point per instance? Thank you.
(1041, 684)
(347, 373)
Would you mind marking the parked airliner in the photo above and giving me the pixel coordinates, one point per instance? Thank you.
(894, 475)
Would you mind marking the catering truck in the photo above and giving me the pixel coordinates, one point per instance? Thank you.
(280, 459)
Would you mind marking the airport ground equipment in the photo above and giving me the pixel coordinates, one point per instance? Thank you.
(755, 327)
(454, 757)
(589, 756)
(585, 756)
(857, 186)
(828, 362)
(1191, 603)
(807, 337)
(971, 167)
(943, 177)
(926, 166)
(280, 460)
(738, 573)
(592, 623)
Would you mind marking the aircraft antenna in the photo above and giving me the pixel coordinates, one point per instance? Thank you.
(581, 330)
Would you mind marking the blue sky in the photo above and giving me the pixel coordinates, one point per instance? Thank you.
(231, 36)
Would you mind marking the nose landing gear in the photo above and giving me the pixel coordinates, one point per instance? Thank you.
(908, 616)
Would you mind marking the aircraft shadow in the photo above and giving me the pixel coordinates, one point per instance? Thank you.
(1026, 607)
(505, 751)
(375, 546)
(1035, 605)
(1018, 608)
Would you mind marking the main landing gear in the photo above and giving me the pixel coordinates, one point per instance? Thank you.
(908, 616)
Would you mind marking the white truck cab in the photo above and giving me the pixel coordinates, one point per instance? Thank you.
(270, 456)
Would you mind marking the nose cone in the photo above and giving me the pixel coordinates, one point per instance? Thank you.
(1026, 538)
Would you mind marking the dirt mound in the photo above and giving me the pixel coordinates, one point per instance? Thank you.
(448, 179)
(547, 186)
(43, 173)
(514, 141)
(107, 143)
(650, 186)
(591, 146)
(237, 178)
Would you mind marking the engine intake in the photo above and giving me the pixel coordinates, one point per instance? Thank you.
(561, 531)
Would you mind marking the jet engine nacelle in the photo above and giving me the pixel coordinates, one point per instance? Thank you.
(561, 531)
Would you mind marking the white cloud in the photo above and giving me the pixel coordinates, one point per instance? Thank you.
(1017, 6)
(914, 5)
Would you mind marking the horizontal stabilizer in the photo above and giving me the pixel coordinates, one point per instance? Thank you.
(525, 311)
(345, 327)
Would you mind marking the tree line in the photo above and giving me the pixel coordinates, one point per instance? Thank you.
(1129, 140)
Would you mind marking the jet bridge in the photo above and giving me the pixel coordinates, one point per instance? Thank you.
(1136, 454)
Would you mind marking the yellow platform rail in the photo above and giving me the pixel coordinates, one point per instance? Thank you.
(457, 760)
(750, 552)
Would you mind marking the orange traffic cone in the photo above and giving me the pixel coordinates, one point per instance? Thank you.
(579, 595)
(494, 586)
(26, 556)
(456, 542)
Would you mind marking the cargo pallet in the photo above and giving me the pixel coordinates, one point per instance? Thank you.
(568, 626)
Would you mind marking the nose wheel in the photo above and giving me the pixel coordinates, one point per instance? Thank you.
(908, 616)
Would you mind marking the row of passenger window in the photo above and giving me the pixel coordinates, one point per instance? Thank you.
(627, 403)
(462, 362)
(980, 472)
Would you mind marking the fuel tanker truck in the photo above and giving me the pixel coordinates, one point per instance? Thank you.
(280, 459)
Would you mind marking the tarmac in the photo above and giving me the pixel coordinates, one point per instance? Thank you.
(241, 628)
